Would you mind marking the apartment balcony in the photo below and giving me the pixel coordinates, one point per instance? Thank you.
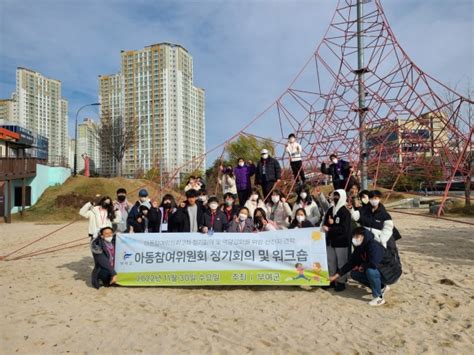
(18, 168)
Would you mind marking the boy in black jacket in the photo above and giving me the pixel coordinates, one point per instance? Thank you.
(337, 225)
(103, 251)
(213, 219)
(189, 214)
(372, 265)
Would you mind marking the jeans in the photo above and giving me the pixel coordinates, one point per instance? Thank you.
(370, 278)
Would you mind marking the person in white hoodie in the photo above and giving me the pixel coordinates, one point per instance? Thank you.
(279, 211)
(337, 226)
(255, 201)
(100, 216)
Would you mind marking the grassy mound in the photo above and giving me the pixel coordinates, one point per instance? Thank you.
(61, 203)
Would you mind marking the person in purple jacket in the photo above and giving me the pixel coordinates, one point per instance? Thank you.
(243, 171)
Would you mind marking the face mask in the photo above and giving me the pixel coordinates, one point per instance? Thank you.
(121, 198)
(241, 163)
(275, 199)
(303, 195)
(254, 197)
(334, 161)
(203, 198)
(264, 156)
(374, 202)
(105, 204)
(167, 204)
(242, 217)
(365, 200)
(292, 140)
(143, 199)
(300, 218)
(108, 239)
(356, 242)
(213, 206)
(335, 200)
(229, 202)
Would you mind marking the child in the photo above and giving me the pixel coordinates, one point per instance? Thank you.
(229, 208)
(213, 219)
(242, 223)
(337, 225)
(167, 209)
(102, 215)
(103, 251)
(305, 201)
(142, 223)
(189, 215)
(279, 210)
(300, 220)
(228, 181)
(372, 265)
(294, 151)
(261, 223)
(255, 201)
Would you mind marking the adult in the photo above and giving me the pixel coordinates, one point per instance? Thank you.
(102, 215)
(268, 173)
(337, 225)
(372, 265)
(340, 172)
(294, 150)
(124, 207)
(243, 172)
(103, 251)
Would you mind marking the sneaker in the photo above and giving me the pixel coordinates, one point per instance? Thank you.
(377, 301)
(306, 287)
(385, 290)
(339, 287)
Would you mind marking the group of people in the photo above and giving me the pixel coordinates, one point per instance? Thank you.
(360, 235)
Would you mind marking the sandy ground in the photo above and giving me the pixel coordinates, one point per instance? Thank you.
(48, 305)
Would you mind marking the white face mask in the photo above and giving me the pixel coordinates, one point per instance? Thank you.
(356, 242)
(143, 199)
(292, 140)
(254, 197)
(242, 216)
(374, 202)
(203, 198)
(213, 206)
(108, 239)
(334, 161)
(365, 200)
(241, 163)
(264, 156)
(300, 218)
(275, 199)
(303, 195)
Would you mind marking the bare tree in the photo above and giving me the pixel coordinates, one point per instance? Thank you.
(116, 137)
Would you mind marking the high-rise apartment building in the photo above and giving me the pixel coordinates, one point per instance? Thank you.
(39, 107)
(155, 96)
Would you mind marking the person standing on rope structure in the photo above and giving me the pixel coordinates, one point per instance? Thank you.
(268, 173)
(294, 150)
(340, 171)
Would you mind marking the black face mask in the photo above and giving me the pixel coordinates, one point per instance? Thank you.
(336, 200)
(105, 205)
(121, 198)
(167, 206)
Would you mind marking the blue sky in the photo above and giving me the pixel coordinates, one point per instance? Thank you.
(245, 52)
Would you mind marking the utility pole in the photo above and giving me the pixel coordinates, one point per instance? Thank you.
(362, 109)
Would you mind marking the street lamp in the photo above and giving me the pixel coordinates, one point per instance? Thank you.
(75, 135)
